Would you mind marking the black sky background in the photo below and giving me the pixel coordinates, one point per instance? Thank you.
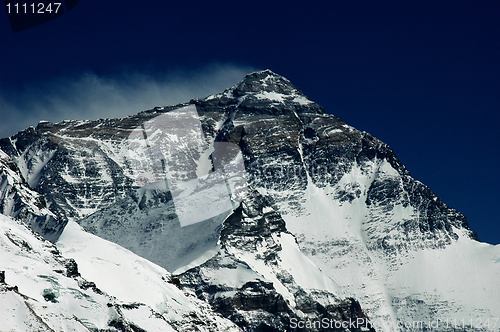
(422, 76)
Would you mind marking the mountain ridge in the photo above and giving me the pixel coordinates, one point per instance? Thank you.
(343, 202)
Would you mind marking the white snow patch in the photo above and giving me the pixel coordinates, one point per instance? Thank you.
(204, 164)
(202, 258)
(302, 100)
(232, 277)
(303, 270)
(266, 95)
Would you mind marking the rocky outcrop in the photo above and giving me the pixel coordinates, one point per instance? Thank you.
(269, 298)
(19, 201)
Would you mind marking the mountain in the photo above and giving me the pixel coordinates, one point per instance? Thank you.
(273, 213)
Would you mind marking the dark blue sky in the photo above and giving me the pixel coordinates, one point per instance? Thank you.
(423, 76)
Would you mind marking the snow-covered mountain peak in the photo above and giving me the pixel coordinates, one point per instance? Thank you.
(259, 90)
(267, 81)
(330, 210)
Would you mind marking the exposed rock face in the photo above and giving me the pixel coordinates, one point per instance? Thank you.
(17, 200)
(288, 139)
(254, 279)
(70, 170)
(331, 214)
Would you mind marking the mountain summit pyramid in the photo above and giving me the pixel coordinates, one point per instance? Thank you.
(322, 223)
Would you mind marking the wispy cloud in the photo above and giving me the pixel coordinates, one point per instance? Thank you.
(90, 96)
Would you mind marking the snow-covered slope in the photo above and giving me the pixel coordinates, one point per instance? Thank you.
(398, 277)
(45, 291)
(348, 220)
(133, 279)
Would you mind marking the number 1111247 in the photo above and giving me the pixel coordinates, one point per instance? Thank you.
(33, 8)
